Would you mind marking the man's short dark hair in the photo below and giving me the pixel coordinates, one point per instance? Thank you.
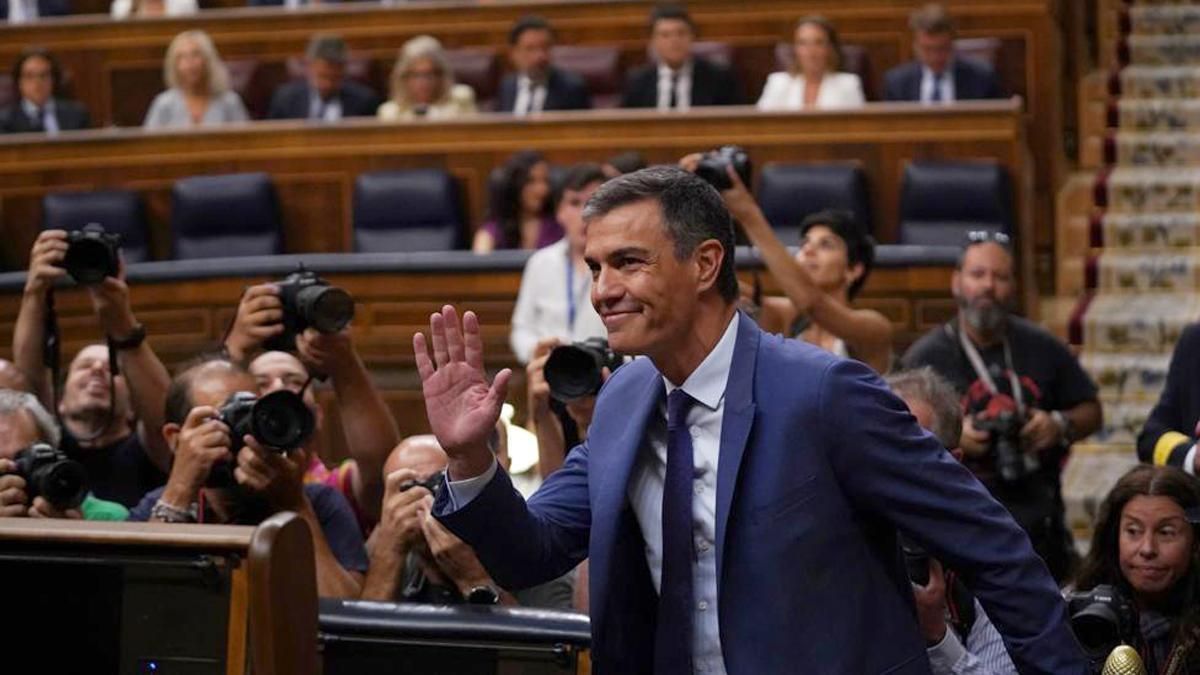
(526, 23)
(179, 393)
(860, 245)
(41, 53)
(932, 19)
(981, 237)
(577, 178)
(925, 385)
(627, 162)
(328, 48)
(692, 212)
(670, 12)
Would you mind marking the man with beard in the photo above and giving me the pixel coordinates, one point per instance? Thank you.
(1008, 368)
(110, 420)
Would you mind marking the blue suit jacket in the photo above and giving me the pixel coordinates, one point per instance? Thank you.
(819, 465)
(972, 80)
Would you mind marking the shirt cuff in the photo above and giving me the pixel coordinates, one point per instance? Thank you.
(946, 654)
(463, 492)
(1189, 461)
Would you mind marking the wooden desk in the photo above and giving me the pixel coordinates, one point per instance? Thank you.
(117, 66)
(314, 167)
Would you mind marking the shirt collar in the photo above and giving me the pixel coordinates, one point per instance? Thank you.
(707, 383)
(32, 110)
(665, 71)
(926, 71)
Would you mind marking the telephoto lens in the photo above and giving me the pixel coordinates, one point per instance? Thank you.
(92, 254)
(279, 421)
(576, 370)
(310, 301)
(50, 475)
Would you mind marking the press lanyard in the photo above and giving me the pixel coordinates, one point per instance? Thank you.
(572, 301)
(986, 377)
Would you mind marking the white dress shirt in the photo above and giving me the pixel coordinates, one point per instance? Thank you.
(707, 385)
(531, 98)
(22, 11)
(785, 91)
(48, 117)
(332, 111)
(683, 87)
(984, 653)
(946, 84)
(544, 302)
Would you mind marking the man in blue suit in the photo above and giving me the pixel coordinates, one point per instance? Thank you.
(738, 495)
(938, 75)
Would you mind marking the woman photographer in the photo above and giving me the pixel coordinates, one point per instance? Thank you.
(1145, 545)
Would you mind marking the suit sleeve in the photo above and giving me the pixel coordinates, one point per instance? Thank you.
(893, 85)
(277, 110)
(1168, 435)
(525, 544)
(892, 468)
(730, 91)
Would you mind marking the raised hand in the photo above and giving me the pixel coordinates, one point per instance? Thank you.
(462, 407)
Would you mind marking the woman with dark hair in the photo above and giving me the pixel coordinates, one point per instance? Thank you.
(813, 80)
(819, 283)
(1145, 545)
(38, 104)
(520, 209)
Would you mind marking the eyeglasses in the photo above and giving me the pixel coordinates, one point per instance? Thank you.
(984, 236)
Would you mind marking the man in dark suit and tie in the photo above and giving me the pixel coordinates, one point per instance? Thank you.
(739, 494)
(676, 79)
(37, 76)
(536, 85)
(937, 75)
(325, 94)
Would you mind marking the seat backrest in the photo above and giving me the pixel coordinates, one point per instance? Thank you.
(6, 90)
(227, 215)
(117, 211)
(720, 53)
(407, 210)
(985, 49)
(478, 68)
(788, 193)
(855, 59)
(599, 66)
(941, 201)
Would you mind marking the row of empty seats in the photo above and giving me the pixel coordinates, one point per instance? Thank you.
(421, 209)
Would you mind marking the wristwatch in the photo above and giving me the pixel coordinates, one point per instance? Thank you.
(483, 595)
(133, 340)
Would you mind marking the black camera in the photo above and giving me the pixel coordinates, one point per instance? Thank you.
(434, 483)
(308, 300)
(1102, 619)
(574, 371)
(712, 167)
(916, 561)
(1012, 465)
(50, 475)
(280, 420)
(92, 254)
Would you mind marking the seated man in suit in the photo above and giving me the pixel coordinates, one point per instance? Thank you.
(38, 107)
(28, 11)
(677, 80)
(536, 85)
(738, 496)
(938, 76)
(325, 94)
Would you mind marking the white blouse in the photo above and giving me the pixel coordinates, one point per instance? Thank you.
(785, 91)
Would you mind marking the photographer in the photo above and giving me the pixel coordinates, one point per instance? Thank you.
(415, 558)
(1169, 436)
(264, 481)
(1145, 546)
(369, 428)
(24, 422)
(546, 422)
(820, 282)
(1020, 381)
(961, 637)
(110, 422)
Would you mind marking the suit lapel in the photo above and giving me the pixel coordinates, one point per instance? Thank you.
(736, 423)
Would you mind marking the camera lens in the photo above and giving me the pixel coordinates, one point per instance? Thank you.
(326, 308)
(88, 261)
(572, 373)
(281, 420)
(1097, 628)
(62, 483)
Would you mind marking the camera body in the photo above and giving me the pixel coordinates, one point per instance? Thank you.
(712, 167)
(279, 421)
(1011, 463)
(92, 254)
(308, 300)
(574, 371)
(49, 474)
(1102, 618)
(434, 483)
(916, 561)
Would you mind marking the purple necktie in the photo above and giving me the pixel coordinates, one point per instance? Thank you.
(673, 635)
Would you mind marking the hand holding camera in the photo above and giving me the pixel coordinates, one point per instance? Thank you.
(1040, 432)
(931, 602)
(278, 476)
(538, 391)
(454, 557)
(326, 353)
(259, 318)
(41, 508)
(404, 501)
(13, 500)
(202, 442)
(46, 261)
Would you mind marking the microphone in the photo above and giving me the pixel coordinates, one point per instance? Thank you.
(1123, 660)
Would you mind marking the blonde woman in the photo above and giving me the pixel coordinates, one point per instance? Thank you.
(423, 85)
(198, 92)
(813, 80)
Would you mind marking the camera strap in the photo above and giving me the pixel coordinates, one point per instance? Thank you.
(573, 301)
(51, 349)
(981, 369)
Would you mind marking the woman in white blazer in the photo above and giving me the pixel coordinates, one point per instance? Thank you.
(813, 80)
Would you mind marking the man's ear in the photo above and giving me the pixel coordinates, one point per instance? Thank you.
(170, 432)
(854, 273)
(708, 256)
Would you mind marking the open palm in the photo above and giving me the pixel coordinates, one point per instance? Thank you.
(461, 405)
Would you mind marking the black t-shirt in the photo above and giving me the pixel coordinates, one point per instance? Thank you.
(119, 472)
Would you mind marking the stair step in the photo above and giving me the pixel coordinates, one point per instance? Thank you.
(1163, 271)
(1127, 377)
(1159, 115)
(1131, 232)
(1164, 19)
(1138, 322)
(1164, 50)
(1156, 148)
(1177, 82)
(1142, 190)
